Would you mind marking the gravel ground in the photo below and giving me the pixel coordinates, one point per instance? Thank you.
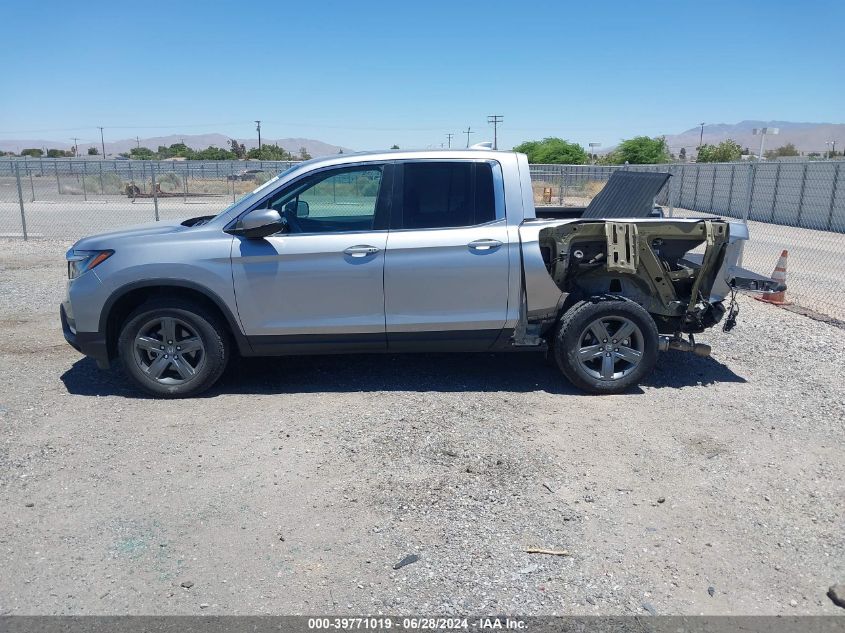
(297, 484)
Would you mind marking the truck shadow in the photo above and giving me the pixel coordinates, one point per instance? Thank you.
(480, 372)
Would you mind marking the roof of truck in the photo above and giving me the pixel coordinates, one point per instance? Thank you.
(394, 154)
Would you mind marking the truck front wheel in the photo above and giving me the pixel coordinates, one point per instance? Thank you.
(172, 348)
(606, 345)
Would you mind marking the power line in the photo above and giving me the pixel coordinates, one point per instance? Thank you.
(76, 145)
(495, 119)
(258, 127)
(449, 138)
(468, 132)
(102, 142)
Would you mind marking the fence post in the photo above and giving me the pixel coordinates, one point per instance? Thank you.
(832, 197)
(84, 178)
(749, 190)
(560, 187)
(801, 195)
(672, 192)
(31, 184)
(695, 188)
(102, 185)
(155, 189)
(565, 178)
(20, 199)
(58, 184)
(713, 185)
(731, 189)
(775, 193)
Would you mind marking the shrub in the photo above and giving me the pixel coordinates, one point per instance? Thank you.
(553, 150)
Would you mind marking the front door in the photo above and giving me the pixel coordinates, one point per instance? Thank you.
(318, 286)
(446, 268)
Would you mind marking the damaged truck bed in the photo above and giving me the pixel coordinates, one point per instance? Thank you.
(679, 271)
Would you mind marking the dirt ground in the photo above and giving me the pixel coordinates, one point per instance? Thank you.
(298, 484)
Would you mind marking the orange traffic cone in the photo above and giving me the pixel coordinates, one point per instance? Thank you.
(779, 274)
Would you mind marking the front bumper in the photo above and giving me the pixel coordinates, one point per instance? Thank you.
(91, 344)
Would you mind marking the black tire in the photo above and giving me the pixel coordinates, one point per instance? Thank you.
(587, 362)
(179, 376)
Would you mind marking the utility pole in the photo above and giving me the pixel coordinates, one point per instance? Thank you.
(468, 132)
(701, 136)
(258, 127)
(76, 146)
(138, 142)
(102, 142)
(449, 138)
(495, 119)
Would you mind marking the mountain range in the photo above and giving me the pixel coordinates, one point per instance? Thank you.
(194, 141)
(807, 137)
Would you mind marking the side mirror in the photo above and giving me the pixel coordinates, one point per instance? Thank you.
(298, 208)
(259, 223)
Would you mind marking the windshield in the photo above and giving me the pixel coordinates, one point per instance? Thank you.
(258, 190)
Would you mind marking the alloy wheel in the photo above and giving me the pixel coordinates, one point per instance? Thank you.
(610, 348)
(169, 350)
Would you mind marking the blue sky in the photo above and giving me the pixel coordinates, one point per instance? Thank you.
(370, 74)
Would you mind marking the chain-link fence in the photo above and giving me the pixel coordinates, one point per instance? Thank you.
(69, 198)
(799, 207)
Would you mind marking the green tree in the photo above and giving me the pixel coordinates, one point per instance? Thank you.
(269, 152)
(32, 151)
(784, 150)
(93, 151)
(611, 158)
(553, 150)
(303, 154)
(141, 153)
(237, 149)
(57, 153)
(683, 154)
(641, 150)
(212, 153)
(725, 152)
(394, 146)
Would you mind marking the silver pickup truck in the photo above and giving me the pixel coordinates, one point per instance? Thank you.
(425, 251)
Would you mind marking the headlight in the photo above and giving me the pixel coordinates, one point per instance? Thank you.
(79, 262)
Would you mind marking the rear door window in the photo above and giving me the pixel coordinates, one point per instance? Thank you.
(446, 194)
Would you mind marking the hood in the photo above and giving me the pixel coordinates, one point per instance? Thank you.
(108, 240)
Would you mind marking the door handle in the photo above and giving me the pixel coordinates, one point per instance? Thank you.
(484, 245)
(361, 251)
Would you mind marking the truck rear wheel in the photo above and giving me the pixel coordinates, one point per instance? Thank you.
(605, 346)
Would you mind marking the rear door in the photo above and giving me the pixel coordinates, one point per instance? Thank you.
(446, 265)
